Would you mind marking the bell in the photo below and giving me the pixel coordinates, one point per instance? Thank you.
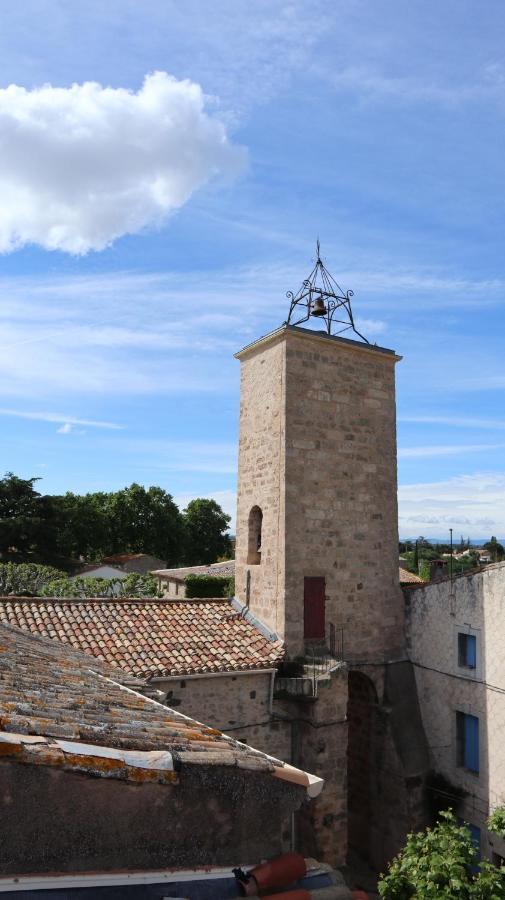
(318, 308)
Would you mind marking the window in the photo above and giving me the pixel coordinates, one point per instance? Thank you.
(254, 543)
(467, 741)
(467, 651)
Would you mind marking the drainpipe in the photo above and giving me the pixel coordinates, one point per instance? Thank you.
(273, 673)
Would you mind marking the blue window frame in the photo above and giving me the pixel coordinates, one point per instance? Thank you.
(467, 738)
(467, 650)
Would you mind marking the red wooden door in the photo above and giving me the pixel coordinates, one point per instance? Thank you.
(314, 590)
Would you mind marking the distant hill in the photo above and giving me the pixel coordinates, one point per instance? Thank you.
(474, 542)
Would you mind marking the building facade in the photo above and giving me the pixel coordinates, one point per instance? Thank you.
(317, 564)
(455, 642)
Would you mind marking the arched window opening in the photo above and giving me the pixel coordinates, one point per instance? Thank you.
(254, 545)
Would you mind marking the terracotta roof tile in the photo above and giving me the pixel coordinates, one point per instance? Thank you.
(149, 637)
(224, 569)
(50, 693)
(407, 577)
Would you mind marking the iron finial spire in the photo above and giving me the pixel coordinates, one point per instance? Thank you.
(322, 297)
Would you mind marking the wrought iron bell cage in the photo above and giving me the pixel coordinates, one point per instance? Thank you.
(322, 298)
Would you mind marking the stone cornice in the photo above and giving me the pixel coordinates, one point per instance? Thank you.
(318, 336)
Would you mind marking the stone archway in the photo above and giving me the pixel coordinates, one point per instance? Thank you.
(361, 718)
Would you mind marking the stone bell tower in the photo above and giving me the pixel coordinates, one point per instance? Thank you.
(317, 533)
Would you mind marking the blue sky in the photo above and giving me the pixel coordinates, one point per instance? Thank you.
(378, 126)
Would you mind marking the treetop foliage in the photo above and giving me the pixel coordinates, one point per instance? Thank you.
(442, 863)
(63, 530)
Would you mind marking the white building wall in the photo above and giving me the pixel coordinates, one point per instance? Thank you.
(102, 572)
(435, 616)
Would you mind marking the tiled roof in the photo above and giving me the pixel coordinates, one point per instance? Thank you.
(57, 707)
(125, 557)
(149, 638)
(407, 577)
(225, 569)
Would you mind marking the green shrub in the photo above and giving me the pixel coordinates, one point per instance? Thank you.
(424, 570)
(441, 863)
(26, 578)
(207, 585)
(134, 585)
(496, 821)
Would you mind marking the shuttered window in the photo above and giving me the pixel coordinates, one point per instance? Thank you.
(467, 737)
(467, 651)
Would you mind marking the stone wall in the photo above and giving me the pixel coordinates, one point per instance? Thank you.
(309, 733)
(319, 730)
(318, 455)
(341, 507)
(261, 480)
(65, 822)
(436, 614)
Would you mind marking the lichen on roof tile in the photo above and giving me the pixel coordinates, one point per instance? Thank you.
(51, 693)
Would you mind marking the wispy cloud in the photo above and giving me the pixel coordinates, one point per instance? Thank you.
(456, 421)
(475, 503)
(375, 83)
(66, 421)
(164, 455)
(127, 333)
(447, 450)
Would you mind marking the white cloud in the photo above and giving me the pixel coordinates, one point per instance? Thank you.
(67, 421)
(456, 421)
(446, 450)
(473, 503)
(81, 166)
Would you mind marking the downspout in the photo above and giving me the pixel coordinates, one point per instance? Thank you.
(273, 673)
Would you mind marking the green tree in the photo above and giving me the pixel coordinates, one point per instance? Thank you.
(424, 570)
(441, 863)
(18, 579)
(145, 520)
(496, 550)
(27, 521)
(136, 585)
(84, 528)
(205, 532)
